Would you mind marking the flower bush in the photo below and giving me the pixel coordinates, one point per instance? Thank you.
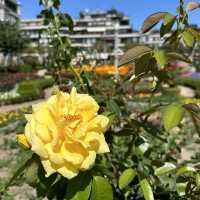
(146, 135)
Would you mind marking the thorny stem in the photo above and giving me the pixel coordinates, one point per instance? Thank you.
(76, 74)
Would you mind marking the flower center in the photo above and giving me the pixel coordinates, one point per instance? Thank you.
(71, 118)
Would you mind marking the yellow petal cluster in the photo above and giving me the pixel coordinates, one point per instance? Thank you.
(66, 132)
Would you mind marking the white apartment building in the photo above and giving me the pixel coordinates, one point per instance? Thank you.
(9, 10)
(99, 34)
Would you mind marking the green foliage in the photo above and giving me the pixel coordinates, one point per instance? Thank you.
(79, 188)
(160, 58)
(146, 189)
(184, 170)
(60, 50)
(168, 22)
(31, 173)
(12, 39)
(166, 168)
(113, 107)
(126, 177)
(27, 88)
(132, 54)
(33, 88)
(152, 20)
(188, 38)
(101, 189)
(172, 116)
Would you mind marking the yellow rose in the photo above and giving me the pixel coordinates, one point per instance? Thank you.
(67, 133)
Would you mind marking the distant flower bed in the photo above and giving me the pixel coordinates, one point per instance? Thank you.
(9, 95)
(26, 91)
(195, 75)
(105, 69)
(12, 116)
(9, 80)
(111, 70)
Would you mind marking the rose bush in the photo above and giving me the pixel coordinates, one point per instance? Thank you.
(146, 135)
(66, 132)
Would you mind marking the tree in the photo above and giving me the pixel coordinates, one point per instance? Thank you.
(12, 40)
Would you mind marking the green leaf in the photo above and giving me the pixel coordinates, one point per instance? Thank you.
(180, 188)
(79, 188)
(65, 20)
(172, 38)
(197, 180)
(166, 168)
(31, 173)
(101, 189)
(185, 169)
(195, 33)
(124, 132)
(113, 107)
(152, 20)
(192, 107)
(178, 56)
(132, 54)
(45, 184)
(168, 18)
(172, 116)
(56, 4)
(188, 38)
(127, 177)
(145, 64)
(192, 6)
(142, 148)
(160, 58)
(167, 25)
(146, 189)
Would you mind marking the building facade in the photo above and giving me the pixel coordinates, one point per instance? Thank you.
(9, 10)
(99, 35)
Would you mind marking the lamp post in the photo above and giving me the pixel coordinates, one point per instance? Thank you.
(116, 50)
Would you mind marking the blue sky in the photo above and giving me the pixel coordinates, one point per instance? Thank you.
(137, 10)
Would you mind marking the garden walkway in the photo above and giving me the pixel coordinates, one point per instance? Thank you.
(13, 107)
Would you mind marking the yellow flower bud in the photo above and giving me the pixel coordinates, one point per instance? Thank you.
(21, 138)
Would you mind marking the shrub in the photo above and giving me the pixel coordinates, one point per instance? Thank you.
(28, 88)
(33, 88)
(25, 68)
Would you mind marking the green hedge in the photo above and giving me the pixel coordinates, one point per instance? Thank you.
(34, 88)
